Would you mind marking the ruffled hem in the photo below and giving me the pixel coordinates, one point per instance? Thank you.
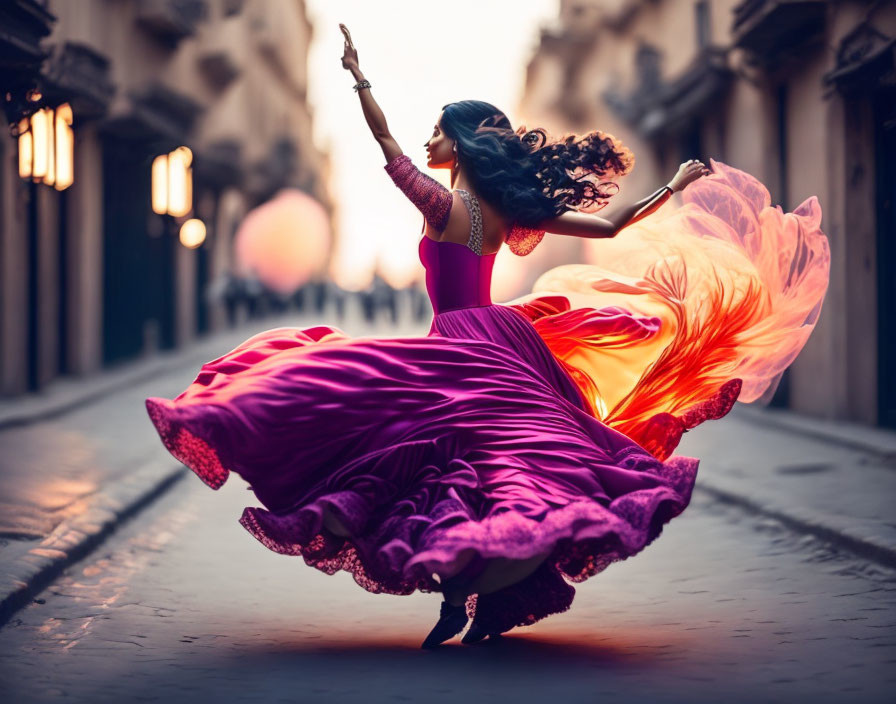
(434, 530)
(329, 554)
(186, 447)
(583, 537)
(661, 434)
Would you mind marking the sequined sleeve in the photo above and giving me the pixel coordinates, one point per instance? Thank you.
(521, 239)
(431, 197)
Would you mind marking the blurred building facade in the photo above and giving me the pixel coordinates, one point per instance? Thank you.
(90, 276)
(800, 94)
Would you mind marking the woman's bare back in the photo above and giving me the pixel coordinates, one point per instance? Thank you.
(494, 225)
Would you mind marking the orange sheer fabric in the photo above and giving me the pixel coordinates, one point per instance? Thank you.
(692, 308)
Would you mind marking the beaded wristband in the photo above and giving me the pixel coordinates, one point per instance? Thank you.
(363, 83)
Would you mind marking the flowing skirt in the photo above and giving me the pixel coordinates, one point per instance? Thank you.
(541, 426)
(435, 453)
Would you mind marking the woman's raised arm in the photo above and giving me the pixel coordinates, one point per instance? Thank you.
(376, 120)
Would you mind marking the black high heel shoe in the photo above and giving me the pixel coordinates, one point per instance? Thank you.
(476, 633)
(452, 620)
(522, 603)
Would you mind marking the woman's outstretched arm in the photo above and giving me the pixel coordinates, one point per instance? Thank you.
(584, 225)
(376, 120)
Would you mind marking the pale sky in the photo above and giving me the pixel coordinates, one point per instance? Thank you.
(418, 55)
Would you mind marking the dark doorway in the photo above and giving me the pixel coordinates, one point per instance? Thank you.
(202, 281)
(781, 397)
(138, 266)
(203, 265)
(32, 304)
(884, 104)
(62, 310)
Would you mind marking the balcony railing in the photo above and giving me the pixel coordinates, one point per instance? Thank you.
(768, 28)
(220, 164)
(79, 75)
(866, 60)
(155, 112)
(171, 20)
(23, 23)
(657, 108)
(222, 50)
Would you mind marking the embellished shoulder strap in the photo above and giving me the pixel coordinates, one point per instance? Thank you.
(431, 197)
(472, 202)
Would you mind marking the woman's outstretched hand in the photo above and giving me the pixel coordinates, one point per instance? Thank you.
(350, 54)
(688, 172)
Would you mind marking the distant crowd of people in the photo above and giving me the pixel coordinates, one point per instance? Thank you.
(258, 300)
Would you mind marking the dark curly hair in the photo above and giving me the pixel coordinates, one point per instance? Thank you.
(529, 173)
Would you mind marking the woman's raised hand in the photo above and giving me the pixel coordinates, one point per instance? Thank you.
(688, 172)
(350, 54)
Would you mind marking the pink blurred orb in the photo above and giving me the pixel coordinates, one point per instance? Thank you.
(284, 242)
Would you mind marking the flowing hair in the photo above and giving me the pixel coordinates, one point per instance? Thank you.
(529, 173)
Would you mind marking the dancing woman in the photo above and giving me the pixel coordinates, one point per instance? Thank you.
(522, 446)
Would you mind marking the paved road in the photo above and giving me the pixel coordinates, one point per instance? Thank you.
(182, 604)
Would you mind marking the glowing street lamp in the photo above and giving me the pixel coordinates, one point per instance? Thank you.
(192, 233)
(172, 183)
(46, 147)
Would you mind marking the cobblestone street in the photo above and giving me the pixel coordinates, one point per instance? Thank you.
(183, 605)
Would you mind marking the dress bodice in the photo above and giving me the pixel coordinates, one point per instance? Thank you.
(458, 275)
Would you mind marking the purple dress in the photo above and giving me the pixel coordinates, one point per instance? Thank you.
(436, 453)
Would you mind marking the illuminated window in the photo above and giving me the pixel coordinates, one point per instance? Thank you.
(172, 183)
(46, 147)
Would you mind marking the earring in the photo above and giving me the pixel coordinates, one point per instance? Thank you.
(455, 156)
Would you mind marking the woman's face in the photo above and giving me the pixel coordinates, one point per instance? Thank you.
(440, 148)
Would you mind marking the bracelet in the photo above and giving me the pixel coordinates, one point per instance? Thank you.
(363, 83)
